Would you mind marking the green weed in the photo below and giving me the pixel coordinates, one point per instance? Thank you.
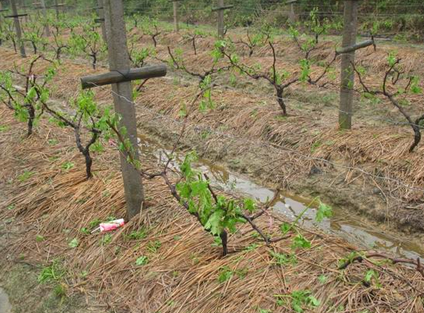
(25, 176)
(153, 246)
(73, 243)
(143, 260)
(283, 259)
(106, 239)
(67, 166)
(53, 272)
(299, 300)
(137, 234)
(4, 128)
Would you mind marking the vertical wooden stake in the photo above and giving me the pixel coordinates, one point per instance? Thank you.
(57, 8)
(18, 28)
(37, 7)
(101, 13)
(23, 10)
(1, 19)
(122, 97)
(347, 73)
(46, 28)
(221, 26)
(292, 15)
(176, 25)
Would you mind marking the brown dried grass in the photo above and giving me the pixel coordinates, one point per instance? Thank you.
(182, 276)
(241, 118)
(255, 117)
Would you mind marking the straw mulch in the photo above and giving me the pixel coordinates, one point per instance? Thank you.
(182, 272)
(246, 131)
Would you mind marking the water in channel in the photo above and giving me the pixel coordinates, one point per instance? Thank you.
(341, 224)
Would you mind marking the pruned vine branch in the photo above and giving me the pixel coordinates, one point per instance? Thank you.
(397, 74)
(372, 255)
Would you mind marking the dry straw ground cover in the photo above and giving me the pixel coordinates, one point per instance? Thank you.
(246, 131)
(163, 261)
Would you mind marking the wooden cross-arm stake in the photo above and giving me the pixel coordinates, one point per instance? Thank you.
(56, 6)
(175, 9)
(1, 16)
(224, 7)
(355, 47)
(292, 15)
(18, 27)
(43, 7)
(120, 77)
(122, 98)
(220, 9)
(347, 74)
(101, 19)
(17, 15)
(114, 77)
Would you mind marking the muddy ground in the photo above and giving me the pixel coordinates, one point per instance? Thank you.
(19, 280)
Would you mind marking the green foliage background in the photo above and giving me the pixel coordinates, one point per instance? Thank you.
(392, 16)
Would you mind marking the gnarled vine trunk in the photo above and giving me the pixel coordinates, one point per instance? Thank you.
(31, 118)
(280, 100)
(88, 163)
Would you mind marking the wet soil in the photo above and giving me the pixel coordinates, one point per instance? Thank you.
(352, 226)
(20, 290)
